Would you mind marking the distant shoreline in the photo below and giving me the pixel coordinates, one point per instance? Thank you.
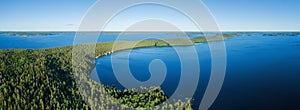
(246, 31)
(120, 46)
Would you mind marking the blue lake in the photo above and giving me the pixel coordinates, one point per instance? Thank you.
(263, 72)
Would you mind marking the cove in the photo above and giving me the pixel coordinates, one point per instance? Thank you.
(261, 70)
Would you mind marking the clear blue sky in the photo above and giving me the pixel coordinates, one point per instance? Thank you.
(61, 15)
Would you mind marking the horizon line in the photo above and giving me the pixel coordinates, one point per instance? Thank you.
(151, 31)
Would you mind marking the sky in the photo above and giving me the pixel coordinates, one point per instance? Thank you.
(230, 15)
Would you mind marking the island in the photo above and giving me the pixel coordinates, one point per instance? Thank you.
(27, 34)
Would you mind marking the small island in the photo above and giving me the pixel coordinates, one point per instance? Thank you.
(27, 34)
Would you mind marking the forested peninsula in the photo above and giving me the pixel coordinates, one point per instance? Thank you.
(44, 79)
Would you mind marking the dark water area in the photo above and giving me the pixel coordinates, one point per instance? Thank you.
(262, 73)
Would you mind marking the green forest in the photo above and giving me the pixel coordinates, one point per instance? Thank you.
(45, 79)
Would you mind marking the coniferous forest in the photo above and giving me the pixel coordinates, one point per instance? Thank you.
(45, 79)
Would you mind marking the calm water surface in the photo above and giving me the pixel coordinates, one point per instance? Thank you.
(262, 71)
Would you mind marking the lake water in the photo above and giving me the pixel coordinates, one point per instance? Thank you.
(263, 72)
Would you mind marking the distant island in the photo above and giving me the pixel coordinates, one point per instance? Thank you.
(282, 34)
(27, 34)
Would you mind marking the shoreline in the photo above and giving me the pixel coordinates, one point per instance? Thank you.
(159, 43)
